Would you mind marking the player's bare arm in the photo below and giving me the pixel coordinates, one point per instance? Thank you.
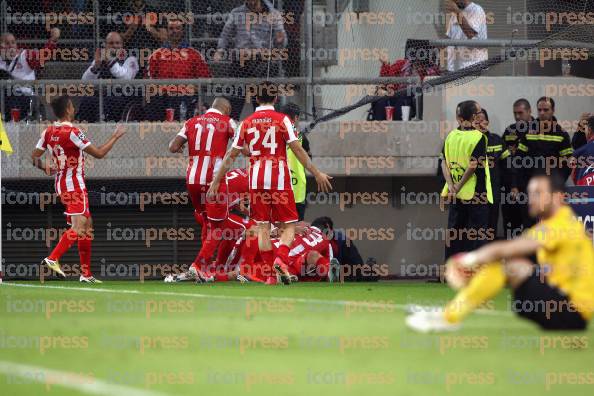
(39, 163)
(322, 179)
(504, 250)
(176, 145)
(101, 151)
(448, 177)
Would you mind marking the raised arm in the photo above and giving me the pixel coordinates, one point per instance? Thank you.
(101, 151)
(520, 247)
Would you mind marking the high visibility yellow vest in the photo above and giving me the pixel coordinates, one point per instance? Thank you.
(298, 179)
(459, 146)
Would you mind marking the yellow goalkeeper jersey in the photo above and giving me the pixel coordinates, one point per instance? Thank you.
(566, 256)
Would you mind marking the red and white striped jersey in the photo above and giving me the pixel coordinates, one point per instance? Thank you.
(66, 144)
(237, 186)
(313, 239)
(208, 136)
(267, 134)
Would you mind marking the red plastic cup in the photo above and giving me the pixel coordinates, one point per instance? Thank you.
(169, 114)
(15, 114)
(390, 113)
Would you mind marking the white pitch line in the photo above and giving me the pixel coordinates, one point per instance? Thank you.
(227, 297)
(83, 383)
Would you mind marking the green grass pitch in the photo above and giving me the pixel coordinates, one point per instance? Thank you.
(152, 338)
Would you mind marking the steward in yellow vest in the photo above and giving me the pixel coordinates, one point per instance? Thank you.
(465, 167)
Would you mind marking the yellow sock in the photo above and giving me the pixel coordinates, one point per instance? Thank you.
(484, 285)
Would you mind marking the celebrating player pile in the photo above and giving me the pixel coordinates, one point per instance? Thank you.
(246, 251)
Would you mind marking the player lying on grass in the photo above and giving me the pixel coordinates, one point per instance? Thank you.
(67, 145)
(310, 258)
(558, 294)
(267, 134)
(223, 230)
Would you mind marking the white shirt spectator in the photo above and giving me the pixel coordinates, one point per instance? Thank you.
(461, 57)
(125, 71)
(19, 69)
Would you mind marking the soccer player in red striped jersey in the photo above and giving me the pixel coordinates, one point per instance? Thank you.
(267, 134)
(310, 255)
(67, 145)
(208, 136)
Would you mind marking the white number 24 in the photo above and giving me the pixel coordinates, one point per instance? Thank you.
(269, 140)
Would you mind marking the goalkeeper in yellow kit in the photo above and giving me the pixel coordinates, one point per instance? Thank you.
(558, 294)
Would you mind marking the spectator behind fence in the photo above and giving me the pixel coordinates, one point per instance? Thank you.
(583, 174)
(580, 137)
(111, 63)
(21, 64)
(144, 27)
(467, 22)
(420, 61)
(175, 60)
(257, 32)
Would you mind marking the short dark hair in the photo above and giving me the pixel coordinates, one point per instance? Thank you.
(547, 99)
(555, 178)
(483, 111)
(292, 110)
(467, 109)
(323, 223)
(59, 105)
(267, 92)
(522, 102)
(590, 122)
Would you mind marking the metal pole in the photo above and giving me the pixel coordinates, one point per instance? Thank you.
(222, 80)
(3, 12)
(101, 115)
(3, 100)
(97, 27)
(188, 11)
(308, 31)
(97, 40)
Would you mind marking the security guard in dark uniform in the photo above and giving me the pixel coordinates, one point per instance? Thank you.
(511, 206)
(545, 145)
(468, 191)
(497, 155)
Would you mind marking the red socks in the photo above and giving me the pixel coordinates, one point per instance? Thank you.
(283, 253)
(322, 266)
(201, 219)
(84, 252)
(221, 277)
(66, 241)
